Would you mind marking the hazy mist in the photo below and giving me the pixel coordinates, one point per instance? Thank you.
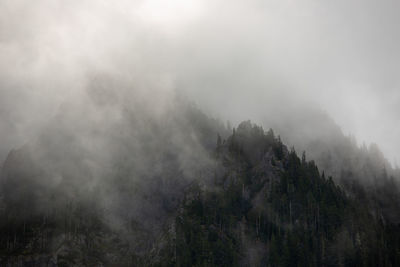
(236, 59)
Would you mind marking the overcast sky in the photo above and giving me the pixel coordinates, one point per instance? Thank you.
(235, 59)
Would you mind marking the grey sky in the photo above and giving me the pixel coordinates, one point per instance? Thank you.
(236, 59)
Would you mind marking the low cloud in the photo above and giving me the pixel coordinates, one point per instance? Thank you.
(235, 59)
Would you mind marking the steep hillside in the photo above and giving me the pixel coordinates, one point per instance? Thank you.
(355, 168)
(245, 201)
(271, 208)
(106, 182)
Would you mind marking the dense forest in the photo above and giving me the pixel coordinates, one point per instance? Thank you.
(242, 199)
(271, 208)
(199, 133)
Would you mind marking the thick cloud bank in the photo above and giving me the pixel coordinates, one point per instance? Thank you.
(236, 59)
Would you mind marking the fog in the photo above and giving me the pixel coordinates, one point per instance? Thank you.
(235, 59)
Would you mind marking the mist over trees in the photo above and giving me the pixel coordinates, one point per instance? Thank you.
(179, 188)
(199, 133)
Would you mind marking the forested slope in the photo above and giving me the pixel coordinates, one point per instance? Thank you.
(250, 201)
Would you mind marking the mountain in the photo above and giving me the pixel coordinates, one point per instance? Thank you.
(178, 188)
(271, 208)
(351, 166)
(125, 166)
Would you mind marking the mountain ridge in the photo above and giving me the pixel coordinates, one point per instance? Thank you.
(250, 198)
